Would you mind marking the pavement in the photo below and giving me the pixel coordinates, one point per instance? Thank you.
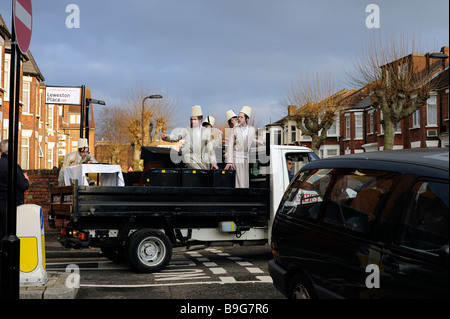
(60, 284)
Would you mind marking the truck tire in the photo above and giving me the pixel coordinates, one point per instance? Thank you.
(149, 250)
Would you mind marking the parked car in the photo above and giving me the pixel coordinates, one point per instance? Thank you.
(369, 225)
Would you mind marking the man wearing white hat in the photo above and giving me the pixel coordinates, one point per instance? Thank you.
(232, 122)
(81, 156)
(196, 139)
(241, 139)
(231, 118)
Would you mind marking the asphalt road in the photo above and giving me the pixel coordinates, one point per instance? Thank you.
(234, 273)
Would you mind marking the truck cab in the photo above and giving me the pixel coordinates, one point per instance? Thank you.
(278, 180)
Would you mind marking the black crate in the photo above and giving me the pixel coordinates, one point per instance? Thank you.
(222, 178)
(158, 155)
(194, 177)
(131, 178)
(162, 177)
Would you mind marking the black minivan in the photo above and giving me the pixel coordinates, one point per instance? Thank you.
(368, 225)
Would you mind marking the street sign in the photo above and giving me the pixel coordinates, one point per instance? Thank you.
(23, 23)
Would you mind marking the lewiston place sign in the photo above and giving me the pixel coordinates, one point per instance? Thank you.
(63, 95)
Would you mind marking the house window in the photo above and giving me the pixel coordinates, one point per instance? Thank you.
(50, 117)
(416, 118)
(358, 126)
(347, 126)
(39, 103)
(6, 77)
(398, 127)
(332, 152)
(25, 159)
(293, 133)
(26, 97)
(74, 119)
(333, 130)
(50, 158)
(431, 111)
(371, 122)
(277, 137)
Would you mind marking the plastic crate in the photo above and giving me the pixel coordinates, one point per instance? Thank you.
(194, 177)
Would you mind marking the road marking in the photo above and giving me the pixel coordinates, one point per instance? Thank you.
(210, 264)
(181, 274)
(244, 263)
(254, 270)
(223, 280)
(228, 280)
(218, 270)
(267, 279)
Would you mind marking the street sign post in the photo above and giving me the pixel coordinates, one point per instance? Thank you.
(22, 22)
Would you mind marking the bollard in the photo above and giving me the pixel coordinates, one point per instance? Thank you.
(30, 230)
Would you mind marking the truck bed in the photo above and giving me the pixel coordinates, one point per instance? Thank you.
(78, 202)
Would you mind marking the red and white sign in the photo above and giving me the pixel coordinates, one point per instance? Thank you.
(23, 23)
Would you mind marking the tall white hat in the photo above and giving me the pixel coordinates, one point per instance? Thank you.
(230, 114)
(196, 110)
(247, 110)
(82, 143)
(209, 120)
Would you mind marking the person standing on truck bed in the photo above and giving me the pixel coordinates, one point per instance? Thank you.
(23, 183)
(241, 138)
(81, 156)
(232, 121)
(216, 138)
(196, 139)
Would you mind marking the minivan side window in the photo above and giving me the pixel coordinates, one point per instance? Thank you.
(425, 225)
(306, 193)
(356, 196)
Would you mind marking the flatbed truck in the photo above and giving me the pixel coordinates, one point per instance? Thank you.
(142, 224)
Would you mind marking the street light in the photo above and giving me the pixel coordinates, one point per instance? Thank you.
(154, 96)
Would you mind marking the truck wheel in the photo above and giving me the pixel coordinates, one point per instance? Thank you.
(149, 250)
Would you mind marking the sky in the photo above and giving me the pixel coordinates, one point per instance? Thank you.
(220, 54)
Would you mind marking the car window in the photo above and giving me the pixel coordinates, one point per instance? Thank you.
(306, 193)
(425, 225)
(297, 161)
(356, 196)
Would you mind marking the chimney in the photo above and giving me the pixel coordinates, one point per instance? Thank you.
(291, 110)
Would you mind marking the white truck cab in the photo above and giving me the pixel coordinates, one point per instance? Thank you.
(279, 176)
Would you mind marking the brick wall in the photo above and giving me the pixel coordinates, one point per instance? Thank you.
(39, 191)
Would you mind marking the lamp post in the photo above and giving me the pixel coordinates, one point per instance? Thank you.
(154, 96)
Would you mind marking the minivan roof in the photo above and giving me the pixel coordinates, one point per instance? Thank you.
(431, 157)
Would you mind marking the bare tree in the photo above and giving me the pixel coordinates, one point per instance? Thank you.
(318, 102)
(110, 125)
(397, 76)
(159, 115)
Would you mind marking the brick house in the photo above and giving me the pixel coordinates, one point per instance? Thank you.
(47, 132)
(360, 128)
